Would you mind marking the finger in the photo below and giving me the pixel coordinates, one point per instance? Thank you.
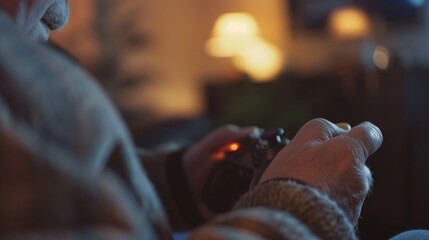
(317, 130)
(367, 138)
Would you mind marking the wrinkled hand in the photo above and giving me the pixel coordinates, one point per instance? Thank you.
(198, 162)
(331, 159)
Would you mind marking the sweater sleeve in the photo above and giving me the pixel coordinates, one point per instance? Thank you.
(281, 209)
(166, 172)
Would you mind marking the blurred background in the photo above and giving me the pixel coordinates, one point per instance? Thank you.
(176, 69)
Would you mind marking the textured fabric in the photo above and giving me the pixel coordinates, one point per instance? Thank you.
(323, 216)
(41, 197)
(156, 165)
(54, 109)
(259, 223)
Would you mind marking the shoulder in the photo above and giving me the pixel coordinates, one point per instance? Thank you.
(53, 96)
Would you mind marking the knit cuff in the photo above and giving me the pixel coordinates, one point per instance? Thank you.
(317, 211)
(255, 223)
(155, 166)
(166, 172)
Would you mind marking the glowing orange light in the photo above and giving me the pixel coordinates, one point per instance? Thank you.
(233, 147)
(220, 155)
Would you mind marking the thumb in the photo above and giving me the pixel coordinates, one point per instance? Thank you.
(367, 137)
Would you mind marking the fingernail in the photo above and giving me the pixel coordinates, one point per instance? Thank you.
(345, 126)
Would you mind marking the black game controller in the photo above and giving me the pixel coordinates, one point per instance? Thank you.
(240, 167)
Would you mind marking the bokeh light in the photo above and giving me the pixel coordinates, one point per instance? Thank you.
(349, 23)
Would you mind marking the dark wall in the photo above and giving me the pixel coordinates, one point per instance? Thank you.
(395, 100)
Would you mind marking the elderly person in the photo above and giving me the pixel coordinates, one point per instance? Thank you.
(69, 168)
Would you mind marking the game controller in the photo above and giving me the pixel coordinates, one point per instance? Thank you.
(239, 167)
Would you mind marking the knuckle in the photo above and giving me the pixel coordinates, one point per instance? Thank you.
(324, 126)
(357, 147)
(319, 123)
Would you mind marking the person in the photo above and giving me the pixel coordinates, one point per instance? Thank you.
(70, 170)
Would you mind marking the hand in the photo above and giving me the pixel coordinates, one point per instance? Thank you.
(331, 159)
(198, 161)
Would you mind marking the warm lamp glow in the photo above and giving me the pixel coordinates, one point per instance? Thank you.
(236, 35)
(227, 46)
(381, 57)
(260, 59)
(230, 33)
(349, 22)
(235, 25)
